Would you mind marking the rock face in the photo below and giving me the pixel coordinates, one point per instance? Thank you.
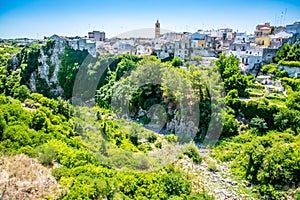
(22, 177)
(43, 63)
(179, 125)
(216, 182)
(47, 72)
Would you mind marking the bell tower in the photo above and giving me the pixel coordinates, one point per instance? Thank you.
(157, 29)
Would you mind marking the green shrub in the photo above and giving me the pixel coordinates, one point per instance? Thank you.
(259, 123)
(175, 184)
(158, 145)
(289, 63)
(145, 147)
(122, 159)
(212, 166)
(200, 195)
(142, 163)
(152, 138)
(297, 195)
(39, 120)
(21, 92)
(192, 152)
(46, 154)
(230, 126)
(171, 138)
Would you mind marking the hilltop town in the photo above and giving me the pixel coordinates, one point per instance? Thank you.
(253, 51)
(213, 114)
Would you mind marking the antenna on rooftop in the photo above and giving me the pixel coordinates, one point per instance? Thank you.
(284, 16)
(281, 16)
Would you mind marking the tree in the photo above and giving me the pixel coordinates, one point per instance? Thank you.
(293, 101)
(228, 66)
(39, 120)
(273, 69)
(288, 52)
(12, 82)
(21, 92)
(259, 123)
(287, 118)
(2, 125)
(176, 62)
(230, 126)
(174, 184)
(282, 54)
(64, 107)
(232, 99)
(71, 61)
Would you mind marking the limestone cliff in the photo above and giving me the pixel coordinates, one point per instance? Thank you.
(44, 78)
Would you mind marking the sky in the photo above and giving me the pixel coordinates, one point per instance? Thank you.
(39, 18)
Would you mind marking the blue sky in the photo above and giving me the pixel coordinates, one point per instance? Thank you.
(38, 18)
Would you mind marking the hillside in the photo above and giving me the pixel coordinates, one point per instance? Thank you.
(128, 127)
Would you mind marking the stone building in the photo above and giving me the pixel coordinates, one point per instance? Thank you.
(96, 36)
(157, 29)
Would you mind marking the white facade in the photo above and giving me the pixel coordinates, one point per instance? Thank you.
(248, 57)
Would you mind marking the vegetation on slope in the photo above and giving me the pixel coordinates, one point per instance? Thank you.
(102, 156)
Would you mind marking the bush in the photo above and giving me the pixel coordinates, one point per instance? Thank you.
(39, 120)
(176, 62)
(200, 195)
(2, 125)
(142, 163)
(289, 63)
(152, 138)
(122, 159)
(21, 92)
(145, 147)
(192, 152)
(171, 138)
(174, 184)
(212, 166)
(259, 123)
(17, 136)
(46, 154)
(158, 145)
(230, 127)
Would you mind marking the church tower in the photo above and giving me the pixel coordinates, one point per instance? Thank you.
(157, 29)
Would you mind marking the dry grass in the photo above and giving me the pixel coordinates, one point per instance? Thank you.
(22, 177)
